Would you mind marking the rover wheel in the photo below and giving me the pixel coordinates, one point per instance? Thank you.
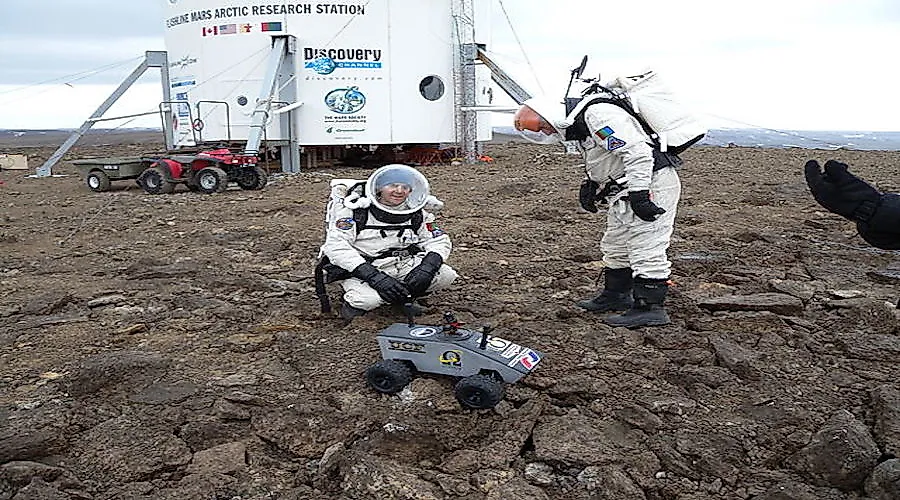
(97, 181)
(154, 181)
(388, 376)
(252, 178)
(478, 392)
(211, 180)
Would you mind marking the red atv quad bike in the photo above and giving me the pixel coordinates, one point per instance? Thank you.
(207, 172)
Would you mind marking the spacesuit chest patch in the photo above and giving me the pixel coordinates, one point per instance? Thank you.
(613, 143)
(344, 224)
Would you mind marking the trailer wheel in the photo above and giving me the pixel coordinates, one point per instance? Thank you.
(478, 392)
(252, 179)
(211, 180)
(388, 376)
(97, 181)
(154, 181)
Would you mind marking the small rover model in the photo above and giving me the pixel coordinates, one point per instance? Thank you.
(482, 363)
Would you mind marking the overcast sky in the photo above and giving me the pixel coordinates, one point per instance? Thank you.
(779, 64)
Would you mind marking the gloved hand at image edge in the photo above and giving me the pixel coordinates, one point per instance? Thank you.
(841, 192)
(587, 195)
(420, 277)
(643, 207)
(388, 288)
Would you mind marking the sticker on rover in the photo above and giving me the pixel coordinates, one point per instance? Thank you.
(451, 358)
(511, 351)
(613, 143)
(422, 331)
(435, 231)
(344, 224)
(528, 358)
(396, 345)
(498, 344)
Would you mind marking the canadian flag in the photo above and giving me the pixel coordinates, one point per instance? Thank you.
(211, 31)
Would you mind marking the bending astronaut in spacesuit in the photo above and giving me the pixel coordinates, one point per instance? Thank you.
(642, 193)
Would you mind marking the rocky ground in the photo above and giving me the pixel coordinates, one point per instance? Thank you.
(171, 347)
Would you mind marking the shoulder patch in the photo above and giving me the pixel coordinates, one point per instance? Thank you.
(435, 231)
(344, 224)
(605, 132)
(613, 143)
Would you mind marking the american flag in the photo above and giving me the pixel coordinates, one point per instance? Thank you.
(228, 29)
(529, 359)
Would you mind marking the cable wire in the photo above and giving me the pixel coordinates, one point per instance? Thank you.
(521, 47)
(71, 78)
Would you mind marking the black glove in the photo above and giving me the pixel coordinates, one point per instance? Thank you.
(420, 277)
(388, 288)
(587, 195)
(840, 191)
(643, 207)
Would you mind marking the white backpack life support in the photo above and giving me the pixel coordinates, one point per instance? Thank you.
(675, 126)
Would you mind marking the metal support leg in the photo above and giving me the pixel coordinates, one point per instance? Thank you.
(151, 59)
(265, 98)
(505, 81)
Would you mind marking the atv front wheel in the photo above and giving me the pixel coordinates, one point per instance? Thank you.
(211, 180)
(154, 181)
(252, 178)
(97, 181)
(478, 392)
(388, 376)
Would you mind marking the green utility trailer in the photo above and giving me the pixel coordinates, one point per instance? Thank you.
(99, 172)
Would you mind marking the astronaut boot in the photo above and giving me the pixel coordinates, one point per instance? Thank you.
(349, 312)
(616, 294)
(648, 310)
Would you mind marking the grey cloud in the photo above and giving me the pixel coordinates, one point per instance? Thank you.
(68, 19)
(41, 40)
(28, 61)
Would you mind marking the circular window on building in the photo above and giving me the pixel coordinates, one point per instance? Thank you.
(242, 100)
(431, 87)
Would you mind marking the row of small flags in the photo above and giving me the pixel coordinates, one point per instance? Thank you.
(231, 29)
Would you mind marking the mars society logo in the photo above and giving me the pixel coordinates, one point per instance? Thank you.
(345, 101)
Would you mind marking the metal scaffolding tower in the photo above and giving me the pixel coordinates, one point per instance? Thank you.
(464, 78)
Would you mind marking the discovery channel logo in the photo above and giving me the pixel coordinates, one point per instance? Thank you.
(325, 61)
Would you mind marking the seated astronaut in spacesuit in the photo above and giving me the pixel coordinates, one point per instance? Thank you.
(387, 243)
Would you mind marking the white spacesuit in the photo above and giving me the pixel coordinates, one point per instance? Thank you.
(384, 246)
(642, 189)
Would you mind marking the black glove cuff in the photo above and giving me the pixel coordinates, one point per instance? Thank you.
(432, 261)
(865, 211)
(365, 271)
(642, 195)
